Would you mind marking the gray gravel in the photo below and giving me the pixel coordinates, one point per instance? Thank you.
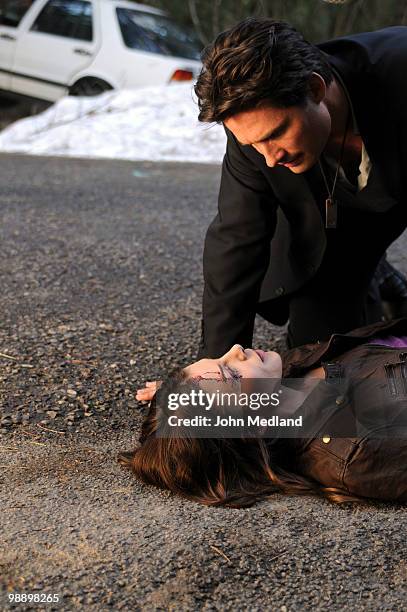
(101, 287)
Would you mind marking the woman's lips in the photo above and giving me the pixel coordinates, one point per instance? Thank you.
(260, 353)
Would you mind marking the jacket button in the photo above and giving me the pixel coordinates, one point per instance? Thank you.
(279, 291)
(326, 439)
(340, 400)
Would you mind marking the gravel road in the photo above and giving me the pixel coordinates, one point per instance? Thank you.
(101, 287)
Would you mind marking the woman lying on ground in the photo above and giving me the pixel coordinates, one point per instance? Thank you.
(239, 471)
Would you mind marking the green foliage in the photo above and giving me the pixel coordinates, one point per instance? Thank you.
(317, 19)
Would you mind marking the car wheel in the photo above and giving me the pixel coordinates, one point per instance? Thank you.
(89, 86)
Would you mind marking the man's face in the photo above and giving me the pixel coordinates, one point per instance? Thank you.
(293, 137)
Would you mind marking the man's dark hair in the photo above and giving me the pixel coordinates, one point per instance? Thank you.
(256, 60)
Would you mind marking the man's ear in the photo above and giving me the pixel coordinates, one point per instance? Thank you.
(317, 87)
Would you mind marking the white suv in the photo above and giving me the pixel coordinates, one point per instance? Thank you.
(49, 48)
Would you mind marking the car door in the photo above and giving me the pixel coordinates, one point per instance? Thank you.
(11, 14)
(59, 42)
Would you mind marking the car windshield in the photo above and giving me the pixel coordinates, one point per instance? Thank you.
(157, 34)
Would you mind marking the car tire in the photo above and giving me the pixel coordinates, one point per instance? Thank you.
(89, 86)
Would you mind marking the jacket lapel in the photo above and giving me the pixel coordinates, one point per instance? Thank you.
(297, 360)
(300, 239)
(371, 108)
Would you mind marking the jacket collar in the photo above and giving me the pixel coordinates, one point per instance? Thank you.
(298, 360)
(370, 109)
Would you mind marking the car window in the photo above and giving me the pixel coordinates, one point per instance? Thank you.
(69, 18)
(157, 34)
(12, 11)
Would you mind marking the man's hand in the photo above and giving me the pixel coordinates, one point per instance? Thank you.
(147, 393)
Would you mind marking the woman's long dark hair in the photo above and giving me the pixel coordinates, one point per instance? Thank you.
(234, 472)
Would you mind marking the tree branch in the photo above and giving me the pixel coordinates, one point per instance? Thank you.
(215, 18)
(196, 21)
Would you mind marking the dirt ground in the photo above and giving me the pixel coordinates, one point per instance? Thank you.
(101, 286)
(13, 109)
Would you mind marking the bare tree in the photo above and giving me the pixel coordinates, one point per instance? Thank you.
(402, 12)
(317, 19)
(216, 16)
(352, 15)
(196, 21)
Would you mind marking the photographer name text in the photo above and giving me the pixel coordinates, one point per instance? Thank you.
(231, 421)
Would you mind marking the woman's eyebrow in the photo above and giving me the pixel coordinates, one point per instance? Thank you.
(221, 371)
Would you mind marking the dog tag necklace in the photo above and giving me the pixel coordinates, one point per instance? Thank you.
(331, 205)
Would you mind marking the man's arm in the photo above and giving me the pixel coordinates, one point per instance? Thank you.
(236, 253)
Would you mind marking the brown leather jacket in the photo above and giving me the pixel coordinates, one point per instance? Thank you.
(368, 466)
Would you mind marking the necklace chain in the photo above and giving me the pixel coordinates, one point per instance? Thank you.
(330, 204)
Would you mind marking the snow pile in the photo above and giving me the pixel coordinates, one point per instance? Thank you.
(154, 123)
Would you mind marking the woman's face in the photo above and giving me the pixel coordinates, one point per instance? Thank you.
(238, 363)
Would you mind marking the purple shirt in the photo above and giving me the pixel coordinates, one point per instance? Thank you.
(393, 341)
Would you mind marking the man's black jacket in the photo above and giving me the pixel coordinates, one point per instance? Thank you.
(268, 237)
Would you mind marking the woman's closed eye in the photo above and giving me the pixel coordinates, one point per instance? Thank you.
(234, 374)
